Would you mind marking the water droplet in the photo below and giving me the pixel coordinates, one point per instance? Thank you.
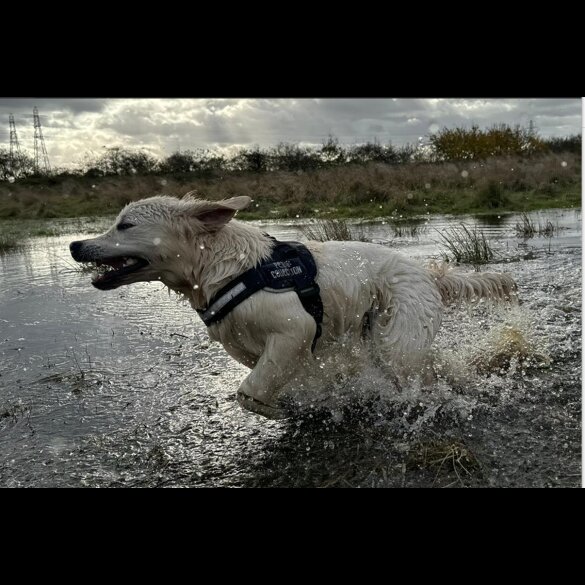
(178, 255)
(201, 247)
(464, 174)
(195, 286)
(564, 163)
(156, 241)
(117, 243)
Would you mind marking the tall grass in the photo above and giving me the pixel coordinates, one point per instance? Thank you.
(468, 246)
(323, 230)
(527, 229)
(9, 243)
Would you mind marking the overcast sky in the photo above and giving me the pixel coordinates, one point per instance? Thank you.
(75, 126)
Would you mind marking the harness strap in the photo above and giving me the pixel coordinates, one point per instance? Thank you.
(290, 267)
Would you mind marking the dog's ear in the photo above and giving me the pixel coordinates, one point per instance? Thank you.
(240, 202)
(215, 214)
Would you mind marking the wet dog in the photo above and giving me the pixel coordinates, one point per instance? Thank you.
(370, 294)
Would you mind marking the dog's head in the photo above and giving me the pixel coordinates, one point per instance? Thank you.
(148, 236)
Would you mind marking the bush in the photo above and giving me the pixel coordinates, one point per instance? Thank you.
(475, 144)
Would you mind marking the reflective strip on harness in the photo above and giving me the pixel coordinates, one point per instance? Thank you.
(290, 267)
(223, 301)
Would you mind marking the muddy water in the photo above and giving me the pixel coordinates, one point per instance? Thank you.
(124, 388)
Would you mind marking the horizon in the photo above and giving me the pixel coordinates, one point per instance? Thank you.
(76, 128)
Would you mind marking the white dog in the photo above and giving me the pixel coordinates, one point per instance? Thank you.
(370, 294)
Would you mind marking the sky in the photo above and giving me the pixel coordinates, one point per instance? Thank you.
(76, 127)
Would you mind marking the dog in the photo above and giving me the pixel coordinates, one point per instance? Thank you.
(370, 294)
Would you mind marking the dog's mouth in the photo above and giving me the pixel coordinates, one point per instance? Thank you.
(111, 271)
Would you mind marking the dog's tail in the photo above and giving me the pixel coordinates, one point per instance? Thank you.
(457, 287)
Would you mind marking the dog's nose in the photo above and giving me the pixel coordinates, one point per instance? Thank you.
(75, 249)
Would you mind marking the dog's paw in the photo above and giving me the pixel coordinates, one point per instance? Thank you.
(258, 407)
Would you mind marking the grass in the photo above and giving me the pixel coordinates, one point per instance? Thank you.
(407, 227)
(9, 243)
(445, 458)
(469, 246)
(527, 229)
(367, 191)
(323, 230)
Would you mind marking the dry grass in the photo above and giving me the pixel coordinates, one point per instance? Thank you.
(368, 190)
(445, 459)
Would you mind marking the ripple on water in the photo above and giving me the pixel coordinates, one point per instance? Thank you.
(124, 388)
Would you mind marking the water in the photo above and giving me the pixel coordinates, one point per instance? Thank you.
(125, 389)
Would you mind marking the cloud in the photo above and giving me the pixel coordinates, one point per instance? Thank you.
(74, 126)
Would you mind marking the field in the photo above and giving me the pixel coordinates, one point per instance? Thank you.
(551, 180)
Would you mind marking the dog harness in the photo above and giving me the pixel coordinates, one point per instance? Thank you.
(290, 267)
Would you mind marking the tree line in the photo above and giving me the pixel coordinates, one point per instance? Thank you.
(445, 145)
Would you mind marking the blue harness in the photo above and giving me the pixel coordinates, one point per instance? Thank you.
(290, 267)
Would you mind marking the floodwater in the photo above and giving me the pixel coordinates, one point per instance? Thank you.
(124, 388)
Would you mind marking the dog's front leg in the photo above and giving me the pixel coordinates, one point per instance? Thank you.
(283, 355)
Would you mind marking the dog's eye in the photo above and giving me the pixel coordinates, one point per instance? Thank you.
(125, 226)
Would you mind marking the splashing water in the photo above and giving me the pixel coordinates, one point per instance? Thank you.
(102, 390)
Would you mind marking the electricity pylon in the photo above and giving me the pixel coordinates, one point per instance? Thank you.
(40, 149)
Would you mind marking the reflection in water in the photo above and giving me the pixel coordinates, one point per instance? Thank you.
(125, 388)
(497, 219)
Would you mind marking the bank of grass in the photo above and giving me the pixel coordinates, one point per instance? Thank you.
(366, 191)
(15, 233)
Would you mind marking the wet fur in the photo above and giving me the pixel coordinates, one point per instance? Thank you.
(370, 293)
